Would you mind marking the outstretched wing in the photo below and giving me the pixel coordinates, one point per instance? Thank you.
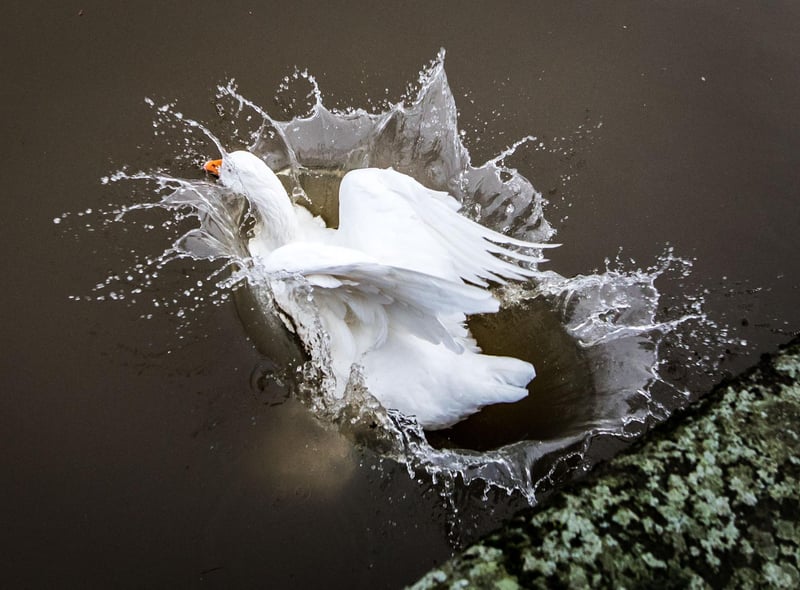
(401, 223)
(368, 299)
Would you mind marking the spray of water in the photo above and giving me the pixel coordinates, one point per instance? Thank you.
(608, 324)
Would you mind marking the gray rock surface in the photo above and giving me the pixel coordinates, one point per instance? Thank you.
(711, 499)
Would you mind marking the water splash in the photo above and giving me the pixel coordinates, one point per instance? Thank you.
(610, 326)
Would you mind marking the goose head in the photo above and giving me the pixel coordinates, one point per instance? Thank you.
(244, 173)
(248, 175)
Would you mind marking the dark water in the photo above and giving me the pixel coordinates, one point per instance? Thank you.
(136, 453)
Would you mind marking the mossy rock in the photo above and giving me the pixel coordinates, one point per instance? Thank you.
(708, 500)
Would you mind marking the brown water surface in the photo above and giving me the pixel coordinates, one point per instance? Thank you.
(138, 455)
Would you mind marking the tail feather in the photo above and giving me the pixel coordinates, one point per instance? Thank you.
(439, 386)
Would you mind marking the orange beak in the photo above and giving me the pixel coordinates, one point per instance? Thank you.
(212, 167)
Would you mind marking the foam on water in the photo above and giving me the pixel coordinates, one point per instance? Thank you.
(614, 319)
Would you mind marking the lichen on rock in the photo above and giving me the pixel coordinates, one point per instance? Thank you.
(708, 500)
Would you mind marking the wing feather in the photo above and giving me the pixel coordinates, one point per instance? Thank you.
(373, 298)
(402, 223)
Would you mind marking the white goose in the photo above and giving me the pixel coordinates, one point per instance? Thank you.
(393, 286)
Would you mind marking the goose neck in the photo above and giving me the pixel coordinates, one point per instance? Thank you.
(277, 219)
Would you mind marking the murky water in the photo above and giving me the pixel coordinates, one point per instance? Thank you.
(158, 405)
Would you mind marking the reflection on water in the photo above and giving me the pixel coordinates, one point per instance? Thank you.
(296, 440)
(599, 342)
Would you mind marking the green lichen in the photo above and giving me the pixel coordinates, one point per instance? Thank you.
(709, 501)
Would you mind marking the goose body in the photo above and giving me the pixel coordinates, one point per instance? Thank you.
(392, 286)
